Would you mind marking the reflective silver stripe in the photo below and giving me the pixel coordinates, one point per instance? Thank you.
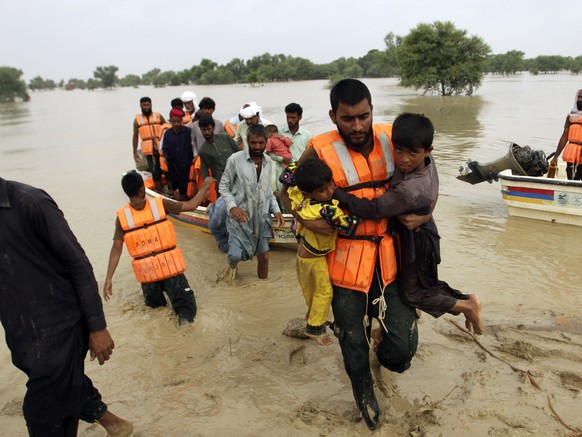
(128, 218)
(155, 211)
(346, 162)
(385, 143)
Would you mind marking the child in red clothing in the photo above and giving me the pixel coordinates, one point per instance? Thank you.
(278, 149)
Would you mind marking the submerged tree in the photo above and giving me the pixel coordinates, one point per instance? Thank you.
(11, 86)
(441, 58)
(107, 76)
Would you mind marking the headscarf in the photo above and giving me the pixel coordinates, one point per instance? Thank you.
(176, 112)
(250, 111)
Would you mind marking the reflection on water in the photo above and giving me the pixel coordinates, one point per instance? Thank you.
(77, 144)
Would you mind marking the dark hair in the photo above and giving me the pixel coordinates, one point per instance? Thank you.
(349, 91)
(312, 174)
(145, 99)
(206, 121)
(412, 131)
(131, 182)
(258, 130)
(294, 108)
(272, 128)
(207, 103)
(177, 103)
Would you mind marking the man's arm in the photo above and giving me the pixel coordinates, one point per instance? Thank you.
(135, 141)
(114, 256)
(562, 142)
(192, 204)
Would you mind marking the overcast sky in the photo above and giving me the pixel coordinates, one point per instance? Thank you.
(63, 39)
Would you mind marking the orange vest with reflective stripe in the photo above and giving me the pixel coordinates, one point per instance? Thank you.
(573, 150)
(150, 130)
(150, 239)
(353, 262)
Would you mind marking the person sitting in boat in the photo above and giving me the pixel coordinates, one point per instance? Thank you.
(311, 198)
(571, 141)
(177, 150)
(251, 115)
(158, 263)
(231, 125)
(414, 189)
(245, 187)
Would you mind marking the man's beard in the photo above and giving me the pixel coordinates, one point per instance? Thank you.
(146, 112)
(254, 152)
(356, 145)
(579, 105)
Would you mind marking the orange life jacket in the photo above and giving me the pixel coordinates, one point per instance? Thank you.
(187, 118)
(151, 241)
(149, 129)
(352, 263)
(230, 128)
(163, 162)
(573, 150)
(195, 180)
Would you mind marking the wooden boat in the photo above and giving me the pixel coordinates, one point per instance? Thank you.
(555, 200)
(198, 220)
(526, 189)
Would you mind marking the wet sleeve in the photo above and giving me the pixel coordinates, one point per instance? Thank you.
(389, 204)
(54, 230)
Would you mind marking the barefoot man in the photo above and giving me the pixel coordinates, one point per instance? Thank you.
(246, 188)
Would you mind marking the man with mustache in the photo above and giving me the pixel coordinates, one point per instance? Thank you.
(147, 126)
(363, 267)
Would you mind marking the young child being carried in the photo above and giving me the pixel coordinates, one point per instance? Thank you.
(279, 150)
(414, 189)
(311, 199)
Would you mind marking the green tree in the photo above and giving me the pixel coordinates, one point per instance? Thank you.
(132, 80)
(107, 76)
(38, 83)
(12, 87)
(441, 58)
(148, 78)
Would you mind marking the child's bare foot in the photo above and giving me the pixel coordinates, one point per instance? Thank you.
(318, 334)
(321, 339)
(472, 314)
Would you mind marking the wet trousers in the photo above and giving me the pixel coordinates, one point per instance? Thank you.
(400, 338)
(180, 294)
(58, 391)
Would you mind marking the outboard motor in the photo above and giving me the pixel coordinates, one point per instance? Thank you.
(521, 160)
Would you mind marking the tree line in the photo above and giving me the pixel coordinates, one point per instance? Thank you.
(435, 57)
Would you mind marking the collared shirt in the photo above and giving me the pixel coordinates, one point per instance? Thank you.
(47, 285)
(300, 140)
(240, 187)
(214, 156)
(198, 138)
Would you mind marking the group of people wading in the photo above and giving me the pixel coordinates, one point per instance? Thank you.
(378, 261)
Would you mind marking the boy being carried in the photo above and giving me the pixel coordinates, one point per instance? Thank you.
(311, 199)
(414, 189)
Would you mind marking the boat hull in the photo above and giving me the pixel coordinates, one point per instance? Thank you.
(541, 198)
(198, 220)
